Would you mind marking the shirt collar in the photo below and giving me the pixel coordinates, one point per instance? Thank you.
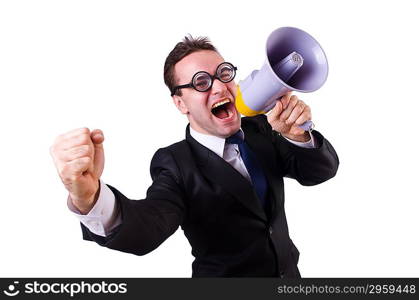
(214, 143)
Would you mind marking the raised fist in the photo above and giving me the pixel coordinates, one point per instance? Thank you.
(79, 158)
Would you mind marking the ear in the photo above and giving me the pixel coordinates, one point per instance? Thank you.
(180, 104)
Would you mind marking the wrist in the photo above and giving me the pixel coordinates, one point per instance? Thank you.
(303, 138)
(84, 205)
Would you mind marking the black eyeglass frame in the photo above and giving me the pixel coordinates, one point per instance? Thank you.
(213, 77)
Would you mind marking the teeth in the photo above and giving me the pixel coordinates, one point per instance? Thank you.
(220, 103)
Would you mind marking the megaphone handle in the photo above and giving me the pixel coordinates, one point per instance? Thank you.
(307, 126)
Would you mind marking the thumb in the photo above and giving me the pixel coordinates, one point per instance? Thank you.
(98, 138)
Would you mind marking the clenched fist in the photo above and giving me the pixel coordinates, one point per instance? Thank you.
(79, 158)
(287, 115)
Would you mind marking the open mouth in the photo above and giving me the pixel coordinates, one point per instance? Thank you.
(223, 109)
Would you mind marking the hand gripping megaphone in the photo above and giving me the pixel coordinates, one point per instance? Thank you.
(295, 61)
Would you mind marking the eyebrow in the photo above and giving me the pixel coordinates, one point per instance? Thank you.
(211, 72)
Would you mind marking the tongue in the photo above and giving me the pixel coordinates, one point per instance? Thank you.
(220, 113)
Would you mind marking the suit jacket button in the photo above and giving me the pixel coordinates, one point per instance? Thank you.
(270, 230)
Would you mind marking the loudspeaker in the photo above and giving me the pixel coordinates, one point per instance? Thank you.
(295, 61)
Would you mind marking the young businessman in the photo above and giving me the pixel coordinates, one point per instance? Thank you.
(223, 184)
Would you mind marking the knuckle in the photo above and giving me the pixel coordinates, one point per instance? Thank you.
(87, 149)
(84, 139)
(84, 130)
(79, 163)
(72, 178)
(63, 172)
(301, 105)
(82, 150)
(85, 160)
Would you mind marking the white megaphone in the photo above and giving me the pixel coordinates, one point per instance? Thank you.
(295, 61)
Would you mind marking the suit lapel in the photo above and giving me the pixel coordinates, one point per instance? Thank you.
(217, 170)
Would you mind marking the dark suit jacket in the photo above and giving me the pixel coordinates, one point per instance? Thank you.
(230, 234)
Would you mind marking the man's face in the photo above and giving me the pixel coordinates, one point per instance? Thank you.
(222, 121)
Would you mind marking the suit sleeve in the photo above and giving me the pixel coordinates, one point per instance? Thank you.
(149, 222)
(309, 166)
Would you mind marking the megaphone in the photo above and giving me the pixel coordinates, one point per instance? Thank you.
(295, 61)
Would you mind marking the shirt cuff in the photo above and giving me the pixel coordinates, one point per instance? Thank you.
(309, 144)
(104, 215)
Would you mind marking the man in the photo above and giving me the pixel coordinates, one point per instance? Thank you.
(223, 184)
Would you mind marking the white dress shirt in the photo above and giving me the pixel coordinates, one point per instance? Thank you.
(105, 216)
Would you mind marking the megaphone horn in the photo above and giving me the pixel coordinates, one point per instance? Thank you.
(294, 61)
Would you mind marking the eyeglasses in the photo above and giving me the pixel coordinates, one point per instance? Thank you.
(202, 81)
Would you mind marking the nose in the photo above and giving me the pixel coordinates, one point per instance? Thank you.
(218, 87)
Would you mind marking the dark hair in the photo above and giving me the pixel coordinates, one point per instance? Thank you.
(187, 46)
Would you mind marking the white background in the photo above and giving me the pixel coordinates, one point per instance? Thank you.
(70, 64)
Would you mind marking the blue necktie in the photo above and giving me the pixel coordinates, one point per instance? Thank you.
(253, 167)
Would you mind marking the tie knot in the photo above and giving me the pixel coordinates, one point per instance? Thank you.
(235, 139)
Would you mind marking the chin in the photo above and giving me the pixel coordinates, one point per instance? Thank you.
(229, 129)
